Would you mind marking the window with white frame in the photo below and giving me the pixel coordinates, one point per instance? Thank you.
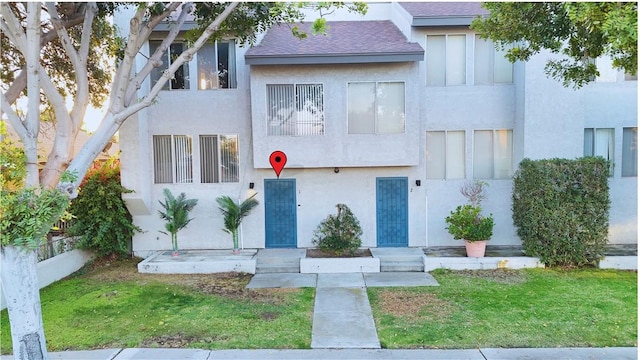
(219, 159)
(493, 154)
(446, 60)
(295, 109)
(376, 107)
(629, 151)
(490, 64)
(180, 79)
(172, 159)
(600, 142)
(445, 155)
(217, 66)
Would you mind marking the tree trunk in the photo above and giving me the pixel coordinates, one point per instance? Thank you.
(22, 292)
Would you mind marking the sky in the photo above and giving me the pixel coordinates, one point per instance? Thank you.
(92, 118)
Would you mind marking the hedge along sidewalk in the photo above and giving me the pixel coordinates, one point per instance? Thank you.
(561, 209)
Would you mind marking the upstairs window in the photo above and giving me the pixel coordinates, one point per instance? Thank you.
(217, 66)
(445, 155)
(600, 142)
(446, 63)
(172, 159)
(180, 79)
(490, 65)
(295, 109)
(376, 107)
(630, 151)
(493, 154)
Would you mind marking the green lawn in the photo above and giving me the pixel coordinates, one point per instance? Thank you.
(115, 306)
(527, 308)
(111, 305)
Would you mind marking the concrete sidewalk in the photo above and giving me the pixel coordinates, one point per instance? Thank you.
(348, 354)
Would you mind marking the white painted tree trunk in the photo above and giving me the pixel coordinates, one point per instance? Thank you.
(22, 292)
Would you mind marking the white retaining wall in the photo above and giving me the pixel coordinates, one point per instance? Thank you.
(56, 268)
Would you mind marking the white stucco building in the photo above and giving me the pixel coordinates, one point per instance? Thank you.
(389, 113)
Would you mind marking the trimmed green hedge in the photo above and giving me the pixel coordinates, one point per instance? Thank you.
(561, 209)
(102, 221)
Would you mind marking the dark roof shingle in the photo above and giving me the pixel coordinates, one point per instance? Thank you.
(344, 42)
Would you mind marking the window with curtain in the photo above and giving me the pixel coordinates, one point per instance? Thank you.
(180, 79)
(493, 154)
(446, 60)
(219, 159)
(600, 142)
(490, 65)
(295, 109)
(172, 159)
(217, 66)
(376, 107)
(445, 155)
(629, 151)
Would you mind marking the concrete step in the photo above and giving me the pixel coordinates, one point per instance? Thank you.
(270, 269)
(402, 266)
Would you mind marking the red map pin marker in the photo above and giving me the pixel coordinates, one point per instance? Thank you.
(277, 160)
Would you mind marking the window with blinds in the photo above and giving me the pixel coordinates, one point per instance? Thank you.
(172, 159)
(219, 160)
(295, 109)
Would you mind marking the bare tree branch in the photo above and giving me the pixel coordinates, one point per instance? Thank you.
(154, 59)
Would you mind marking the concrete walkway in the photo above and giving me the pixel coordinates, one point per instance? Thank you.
(348, 354)
(342, 317)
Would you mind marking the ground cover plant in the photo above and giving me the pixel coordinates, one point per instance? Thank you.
(511, 308)
(115, 306)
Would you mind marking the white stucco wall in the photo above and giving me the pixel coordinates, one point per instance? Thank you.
(336, 147)
(554, 121)
(547, 121)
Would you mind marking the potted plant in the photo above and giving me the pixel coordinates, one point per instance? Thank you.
(176, 214)
(467, 223)
(233, 214)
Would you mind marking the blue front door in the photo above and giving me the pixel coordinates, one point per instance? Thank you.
(392, 211)
(280, 213)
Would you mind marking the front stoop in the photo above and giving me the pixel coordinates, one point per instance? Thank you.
(199, 262)
(279, 260)
(339, 265)
(473, 263)
(399, 259)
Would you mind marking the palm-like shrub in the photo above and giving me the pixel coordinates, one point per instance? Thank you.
(176, 214)
(233, 213)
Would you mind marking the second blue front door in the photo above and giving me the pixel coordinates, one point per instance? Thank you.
(392, 211)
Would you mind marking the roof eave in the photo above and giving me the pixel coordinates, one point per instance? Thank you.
(442, 21)
(297, 59)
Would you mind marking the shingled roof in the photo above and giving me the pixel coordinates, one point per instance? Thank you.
(443, 13)
(345, 42)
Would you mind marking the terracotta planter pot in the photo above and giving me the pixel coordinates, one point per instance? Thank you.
(475, 248)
